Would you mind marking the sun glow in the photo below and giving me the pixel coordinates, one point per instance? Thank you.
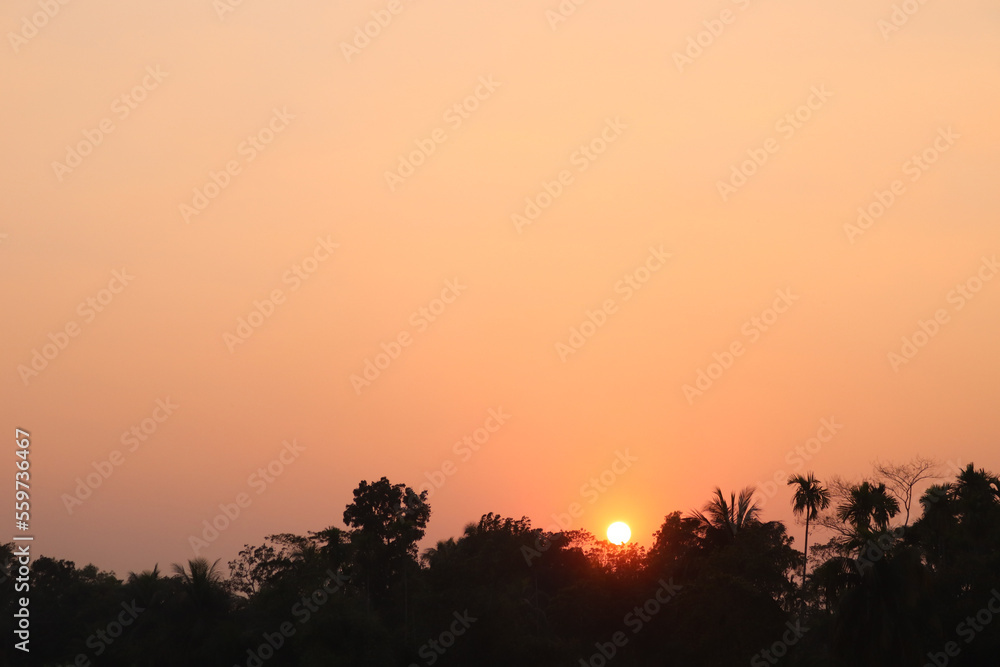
(619, 533)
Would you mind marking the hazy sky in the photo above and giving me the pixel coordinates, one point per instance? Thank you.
(624, 240)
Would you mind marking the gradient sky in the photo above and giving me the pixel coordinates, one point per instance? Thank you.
(680, 131)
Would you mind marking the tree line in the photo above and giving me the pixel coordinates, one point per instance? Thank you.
(901, 580)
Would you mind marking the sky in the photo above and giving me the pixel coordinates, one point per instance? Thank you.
(577, 261)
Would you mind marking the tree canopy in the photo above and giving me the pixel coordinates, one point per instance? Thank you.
(717, 586)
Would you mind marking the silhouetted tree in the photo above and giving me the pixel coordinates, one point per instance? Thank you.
(675, 545)
(262, 565)
(886, 618)
(809, 498)
(724, 519)
(359, 597)
(388, 521)
(901, 479)
(868, 509)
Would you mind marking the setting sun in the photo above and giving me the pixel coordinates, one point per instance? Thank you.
(619, 533)
(493, 268)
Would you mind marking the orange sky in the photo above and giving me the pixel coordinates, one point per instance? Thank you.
(617, 126)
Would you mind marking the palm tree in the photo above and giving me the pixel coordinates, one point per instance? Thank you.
(810, 497)
(884, 508)
(868, 509)
(200, 614)
(148, 585)
(198, 572)
(202, 582)
(153, 637)
(728, 518)
(977, 491)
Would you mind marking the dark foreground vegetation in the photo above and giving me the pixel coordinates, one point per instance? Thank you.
(717, 587)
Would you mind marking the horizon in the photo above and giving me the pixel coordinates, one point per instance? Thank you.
(507, 248)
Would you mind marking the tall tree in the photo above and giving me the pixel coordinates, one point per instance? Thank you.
(843, 533)
(977, 492)
(959, 532)
(392, 515)
(810, 497)
(724, 519)
(868, 508)
(901, 478)
(387, 521)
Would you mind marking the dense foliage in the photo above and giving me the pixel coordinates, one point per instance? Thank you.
(717, 587)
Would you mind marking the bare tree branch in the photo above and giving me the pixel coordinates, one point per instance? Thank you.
(901, 478)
